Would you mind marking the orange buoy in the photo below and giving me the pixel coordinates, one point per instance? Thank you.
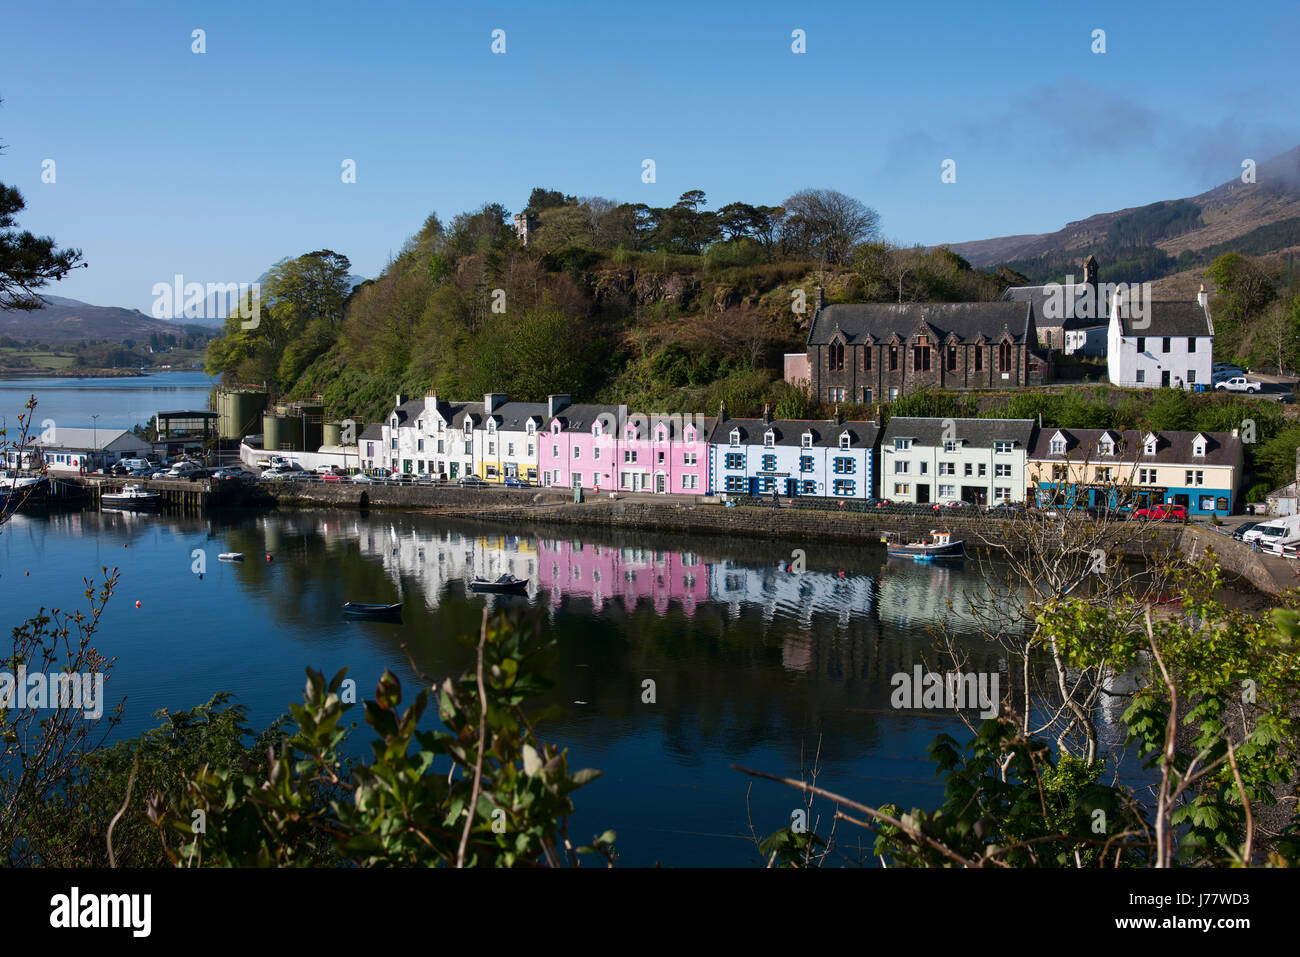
(137, 604)
(268, 557)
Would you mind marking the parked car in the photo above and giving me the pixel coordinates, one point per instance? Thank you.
(1108, 513)
(1006, 509)
(1239, 533)
(361, 478)
(513, 482)
(1238, 383)
(1163, 513)
(472, 481)
(1280, 529)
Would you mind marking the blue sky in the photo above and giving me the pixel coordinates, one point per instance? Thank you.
(216, 165)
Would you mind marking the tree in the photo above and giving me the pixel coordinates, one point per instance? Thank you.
(827, 224)
(1244, 286)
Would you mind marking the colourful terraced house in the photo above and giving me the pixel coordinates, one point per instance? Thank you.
(665, 453)
(579, 446)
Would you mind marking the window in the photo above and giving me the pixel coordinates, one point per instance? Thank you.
(1195, 478)
(925, 467)
(902, 488)
(688, 458)
(394, 422)
(947, 491)
(1001, 494)
(1198, 447)
(1142, 344)
(1141, 375)
(492, 448)
(1191, 343)
(555, 451)
(577, 480)
(866, 359)
(595, 452)
(979, 358)
(1058, 473)
(690, 481)
(769, 463)
(393, 444)
(735, 436)
(577, 452)
(419, 445)
(469, 448)
(510, 448)
(845, 440)
(735, 460)
(866, 396)
(951, 446)
(808, 487)
(769, 439)
(440, 449)
(836, 395)
(967, 470)
(902, 466)
(947, 468)
(893, 358)
(844, 486)
(661, 458)
(1191, 377)
(893, 394)
(735, 483)
(921, 358)
(1058, 445)
(983, 470)
(1002, 471)
(1165, 344)
(1146, 476)
(902, 445)
(845, 465)
(836, 357)
(629, 456)
(952, 358)
(1105, 474)
(806, 440)
(1004, 357)
(1001, 448)
(805, 463)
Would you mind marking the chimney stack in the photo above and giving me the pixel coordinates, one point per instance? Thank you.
(839, 414)
(1203, 298)
(821, 297)
(493, 401)
(554, 405)
(722, 409)
(767, 413)
(401, 400)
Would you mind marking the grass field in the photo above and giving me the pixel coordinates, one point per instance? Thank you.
(40, 361)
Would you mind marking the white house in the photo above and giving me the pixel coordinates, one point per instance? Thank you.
(71, 450)
(792, 457)
(1165, 345)
(978, 461)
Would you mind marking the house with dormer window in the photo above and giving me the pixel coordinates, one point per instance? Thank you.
(579, 446)
(793, 457)
(976, 461)
(875, 352)
(1201, 471)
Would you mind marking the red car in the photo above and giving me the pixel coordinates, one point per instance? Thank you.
(1163, 513)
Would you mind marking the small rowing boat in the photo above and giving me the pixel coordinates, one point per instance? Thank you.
(230, 557)
(937, 546)
(506, 584)
(360, 609)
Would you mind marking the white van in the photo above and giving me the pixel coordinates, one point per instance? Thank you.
(1270, 535)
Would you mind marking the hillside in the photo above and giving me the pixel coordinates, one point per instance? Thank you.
(1163, 238)
(68, 320)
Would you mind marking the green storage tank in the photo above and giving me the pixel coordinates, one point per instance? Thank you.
(333, 433)
(273, 432)
(238, 412)
(311, 431)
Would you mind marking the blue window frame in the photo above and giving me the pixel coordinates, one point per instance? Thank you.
(845, 486)
(735, 483)
(735, 460)
(809, 487)
(845, 465)
(805, 463)
(769, 463)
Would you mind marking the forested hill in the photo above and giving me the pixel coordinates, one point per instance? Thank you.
(675, 308)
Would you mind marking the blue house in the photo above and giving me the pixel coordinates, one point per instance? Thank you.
(793, 457)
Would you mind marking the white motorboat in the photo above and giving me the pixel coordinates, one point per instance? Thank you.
(133, 496)
(230, 557)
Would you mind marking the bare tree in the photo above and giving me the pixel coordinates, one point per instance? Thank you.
(827, 224)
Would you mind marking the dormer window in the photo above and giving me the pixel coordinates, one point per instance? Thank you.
(769, 439)
(806, 440)
(1150, 447)
(1058, 444)
(902, 445)
(663, 434)
(531, 428)
(419, 425)
(735, 436)
(468, 426)
(1198, 446)
(951, 445)
(845, 440)
(555, 427)
(1105, 446)
(492, 426)
(394, 422)
(596, 429)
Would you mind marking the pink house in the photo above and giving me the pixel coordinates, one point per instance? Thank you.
(579, 448)
(665, 453)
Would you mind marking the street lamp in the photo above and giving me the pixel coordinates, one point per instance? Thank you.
(94, 445)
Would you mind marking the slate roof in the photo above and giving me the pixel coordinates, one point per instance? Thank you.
(83, 439)
(974, 433)
(408, 411)
(514, 416)
(1076, 308)
(1170, 318)
(968, 320)
(1172, 448)
(456, 412)
(789, 432)
(581, 417)
(373, 432)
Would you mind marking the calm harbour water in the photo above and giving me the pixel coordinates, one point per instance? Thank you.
(120, 403)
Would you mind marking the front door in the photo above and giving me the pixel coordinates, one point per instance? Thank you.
(455, 470)
(661, 483)
(1164, 379)
(923, 494)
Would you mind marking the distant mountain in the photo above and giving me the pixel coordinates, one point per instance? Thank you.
(1164, 238)
(68, 320)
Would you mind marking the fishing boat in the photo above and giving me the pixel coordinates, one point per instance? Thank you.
(133, 496)
(937, 546)
(230, 557)
(506, 584)
(360, 609)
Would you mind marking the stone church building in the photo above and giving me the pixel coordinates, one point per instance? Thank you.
(875, 352)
